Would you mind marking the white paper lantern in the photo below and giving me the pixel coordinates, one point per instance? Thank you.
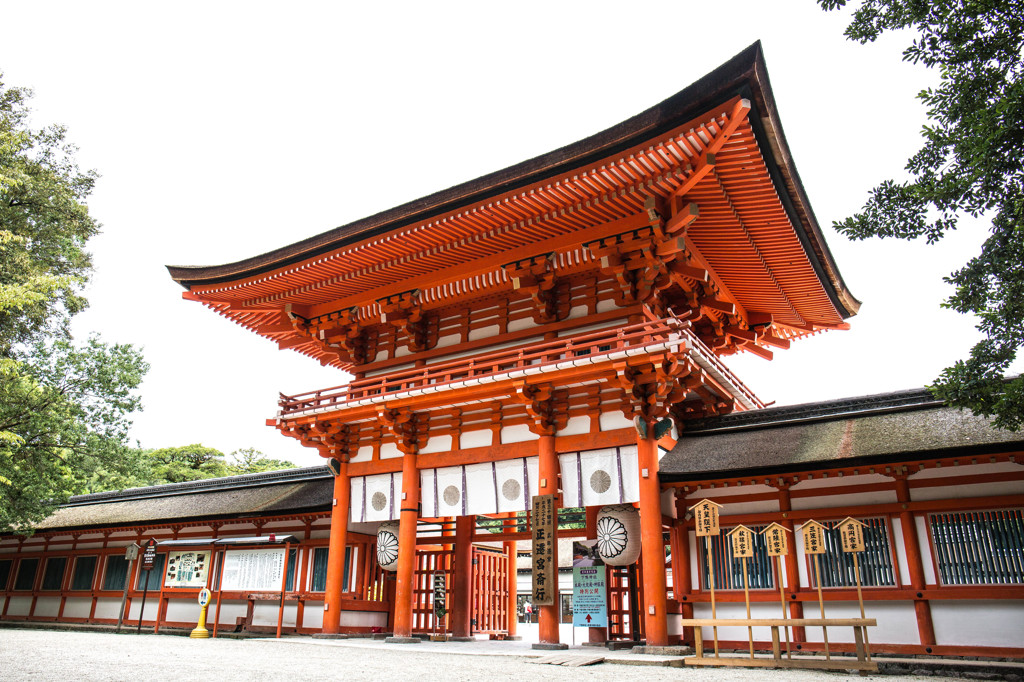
(387, 545)
(618, 534)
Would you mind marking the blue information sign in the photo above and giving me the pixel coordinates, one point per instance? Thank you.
(589, 597)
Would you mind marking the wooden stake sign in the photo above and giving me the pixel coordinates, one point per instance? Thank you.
(705, 517)
(545, 578)
(814, 545)
(743, 549)
(852, 532)
(778, 546)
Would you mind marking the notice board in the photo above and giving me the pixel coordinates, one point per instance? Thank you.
(254, 569)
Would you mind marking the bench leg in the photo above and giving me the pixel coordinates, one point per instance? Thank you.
(698, 641)
(776, 651)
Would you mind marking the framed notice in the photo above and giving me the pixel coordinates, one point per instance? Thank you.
(187, 569)
(545, 577)
(254, 569)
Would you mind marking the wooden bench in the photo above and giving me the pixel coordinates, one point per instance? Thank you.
(863, 661)
(245, 624)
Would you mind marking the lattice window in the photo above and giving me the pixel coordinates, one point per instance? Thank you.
(729, 571)
(875, 562)
(5, 573)
(979, 548)
(116, 573)
(318, 579)
(26, 574)
(151, 580)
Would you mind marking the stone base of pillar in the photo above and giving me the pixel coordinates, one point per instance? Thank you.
(618, 645)
(512, 638)
(552, 646)
(325, 635)
(402, 640)
(664, 650)
(462, 639)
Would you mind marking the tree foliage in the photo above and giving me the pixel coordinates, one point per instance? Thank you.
(64, 408)
(970, 163)
(196, 462)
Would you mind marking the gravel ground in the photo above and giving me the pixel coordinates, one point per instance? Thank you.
(73, 656)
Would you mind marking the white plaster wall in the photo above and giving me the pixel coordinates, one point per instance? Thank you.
(694, 561)
(389, 451)
(575, 426)
(978, 623)
(736, 610)
(110, 607)
(364, 619)
(606, 305)
(47, 607)
(313, 615)
(897, 622)
(484, 332)
(229, 611)
(668, 502)
(265, 614)
(363, 454)
(19, 606)
(133, 613)
(522, 323)
(577, 311)
(976, 490)
(966, 470)
(518, 433)
(901, 554)
(326, 533)
(924, 547)
(179, 611)
(854, 499)
(79, 607)
(390, 370)
(476, 439)
(612, 421)
(437, 444)
(448, 340)
(401, 350)
(59, 548)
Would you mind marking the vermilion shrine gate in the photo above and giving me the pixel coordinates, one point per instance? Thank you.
(540, 329)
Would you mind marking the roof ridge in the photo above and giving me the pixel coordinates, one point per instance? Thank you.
(895, 401)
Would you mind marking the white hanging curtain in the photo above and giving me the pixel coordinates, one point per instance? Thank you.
(376, 498)
(600, 477)
(485, 488)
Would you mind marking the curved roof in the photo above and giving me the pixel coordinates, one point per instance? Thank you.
(756, 226)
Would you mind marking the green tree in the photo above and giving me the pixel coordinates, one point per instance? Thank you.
(970, 164)
(252, 461)
(186, 463)
(64, 408)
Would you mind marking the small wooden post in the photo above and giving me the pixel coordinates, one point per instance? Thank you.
(743, 548)
(777, 543)
(852, 532)
(705, 515)
(814, 545)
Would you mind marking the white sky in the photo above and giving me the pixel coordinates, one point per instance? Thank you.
(226, 129)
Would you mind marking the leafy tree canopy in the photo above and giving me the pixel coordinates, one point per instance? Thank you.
(64, 408)
(252, 461)
(970, 163)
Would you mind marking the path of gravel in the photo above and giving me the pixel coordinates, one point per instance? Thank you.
(73, 656)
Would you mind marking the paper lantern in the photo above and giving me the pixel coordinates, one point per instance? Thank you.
(387, 545)
(618, 534)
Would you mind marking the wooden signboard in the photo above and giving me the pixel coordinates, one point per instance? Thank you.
(775, 539)
(705, 517)
(814, 538)
(545, 577)
(742, 542)
(852, 533)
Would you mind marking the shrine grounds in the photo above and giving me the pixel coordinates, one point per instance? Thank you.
(69, 655)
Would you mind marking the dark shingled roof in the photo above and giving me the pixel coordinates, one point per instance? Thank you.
(848, 432)
(265, 494)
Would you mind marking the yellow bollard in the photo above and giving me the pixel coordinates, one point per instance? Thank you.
(200, 631)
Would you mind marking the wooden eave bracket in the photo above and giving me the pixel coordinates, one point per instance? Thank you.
(536, 277)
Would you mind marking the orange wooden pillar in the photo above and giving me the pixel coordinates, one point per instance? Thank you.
(548, 473)
(915, 565)
(405, 575)
(462, 579)
(796, 608)
(513, 587)
(652, 543)
(336, 552)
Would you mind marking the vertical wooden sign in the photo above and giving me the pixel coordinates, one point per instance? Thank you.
(852, 533)
(705, 519)
(743, 549)
(778, 546)
(545, 576)
(814, 545)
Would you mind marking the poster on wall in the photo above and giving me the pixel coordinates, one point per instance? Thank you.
(254, 569)
(589, 587)
(187, 569)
